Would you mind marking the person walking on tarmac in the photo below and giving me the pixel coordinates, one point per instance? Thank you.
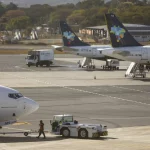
(41, 130)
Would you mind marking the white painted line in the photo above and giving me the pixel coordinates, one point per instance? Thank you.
(24, 68)
(120, 90)
(120, 118)
(130, 89)
(84, 91)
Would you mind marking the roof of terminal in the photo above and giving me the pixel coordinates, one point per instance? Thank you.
(125, 24)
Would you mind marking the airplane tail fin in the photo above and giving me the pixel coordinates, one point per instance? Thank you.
(119, 35)
(69, 37)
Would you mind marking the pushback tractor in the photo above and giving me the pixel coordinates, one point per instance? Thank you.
(67, 127)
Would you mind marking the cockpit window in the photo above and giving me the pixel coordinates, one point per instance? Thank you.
(15, 95)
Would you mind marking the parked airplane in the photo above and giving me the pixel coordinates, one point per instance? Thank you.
(74, 45)
(14, 105)
(124, 46)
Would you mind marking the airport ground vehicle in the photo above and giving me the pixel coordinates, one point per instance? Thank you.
(111, 64)
(40, 57)
(136, 70)
(67, 127)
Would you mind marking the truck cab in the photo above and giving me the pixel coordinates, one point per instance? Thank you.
(59, 120)
(31, 60)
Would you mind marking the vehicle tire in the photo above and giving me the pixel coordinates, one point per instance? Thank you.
(144, 76)
(110, 68)
(48, 64)
(79, 66)
(83, 134)
(28, 65)
(117, 68)
(41, 65)
(37, 64)
(26, 133)
(65, 132)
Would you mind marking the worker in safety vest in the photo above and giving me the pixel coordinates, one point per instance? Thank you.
(41, 130)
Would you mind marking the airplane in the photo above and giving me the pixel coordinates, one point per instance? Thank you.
(74, 45)
(124, 46)
(13, 105)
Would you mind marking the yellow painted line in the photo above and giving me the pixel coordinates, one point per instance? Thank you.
(21, 123)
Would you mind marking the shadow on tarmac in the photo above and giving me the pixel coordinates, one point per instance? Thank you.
(11, 139)
(142, 79)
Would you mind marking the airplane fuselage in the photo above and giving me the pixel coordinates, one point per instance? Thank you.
(14, 105)
(138, 54)
(93, 51)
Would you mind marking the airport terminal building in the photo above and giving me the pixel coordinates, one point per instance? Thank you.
(140, 32)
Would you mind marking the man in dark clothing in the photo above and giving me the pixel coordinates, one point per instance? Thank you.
(41, 130)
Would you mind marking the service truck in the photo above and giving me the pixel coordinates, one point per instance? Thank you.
(67, 127)
(111, 64)
(40, 57)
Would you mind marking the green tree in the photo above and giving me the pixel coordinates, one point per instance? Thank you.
(14, 14)
(22, 22)
(2, 9)
(11, 6)
(60, 14)
(76, 17)
(39, 14)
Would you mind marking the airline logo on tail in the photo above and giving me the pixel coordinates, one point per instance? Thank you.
(69, 35)
(119, 32)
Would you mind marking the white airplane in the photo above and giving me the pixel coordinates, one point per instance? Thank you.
(72, 44)
(124, 46)
(14, 105)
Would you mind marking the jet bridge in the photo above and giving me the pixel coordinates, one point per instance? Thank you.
(135, 70)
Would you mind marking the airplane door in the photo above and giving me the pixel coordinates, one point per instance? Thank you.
(144, 53)
(94, 51)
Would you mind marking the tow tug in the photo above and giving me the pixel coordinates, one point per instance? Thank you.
(67, 127)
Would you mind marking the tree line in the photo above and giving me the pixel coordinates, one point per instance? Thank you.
(83, 14)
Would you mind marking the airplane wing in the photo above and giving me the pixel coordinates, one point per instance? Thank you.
(57, 47)
(117, 54)
(65, 49)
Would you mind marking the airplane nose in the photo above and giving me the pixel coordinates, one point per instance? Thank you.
(31, 106)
